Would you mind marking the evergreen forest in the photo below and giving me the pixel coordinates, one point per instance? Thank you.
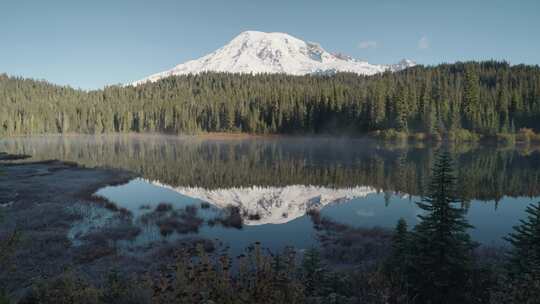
(463, 101)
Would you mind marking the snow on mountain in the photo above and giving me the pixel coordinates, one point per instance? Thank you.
(259, 52)
(274, 205)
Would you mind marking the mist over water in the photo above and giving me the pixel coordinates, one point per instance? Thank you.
(354, 181)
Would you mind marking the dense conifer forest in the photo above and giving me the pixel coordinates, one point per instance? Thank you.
(448, 100)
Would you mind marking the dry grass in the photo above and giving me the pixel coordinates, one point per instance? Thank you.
(169, 220)
(344, 244)
(231, 217)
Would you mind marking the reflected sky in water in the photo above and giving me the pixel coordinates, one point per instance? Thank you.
(492, 222)
(354, 181)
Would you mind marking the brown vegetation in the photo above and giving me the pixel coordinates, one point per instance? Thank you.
(231, 217)
(344, 244)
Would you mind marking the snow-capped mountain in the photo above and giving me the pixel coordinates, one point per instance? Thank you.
(274, 205)
(259, 52)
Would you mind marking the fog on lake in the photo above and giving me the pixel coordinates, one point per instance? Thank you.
(275, 181)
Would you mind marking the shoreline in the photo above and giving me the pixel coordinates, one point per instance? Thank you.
(238, 136)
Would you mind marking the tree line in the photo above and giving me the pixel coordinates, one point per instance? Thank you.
(480, 97)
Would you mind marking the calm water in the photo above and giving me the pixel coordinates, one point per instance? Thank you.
(357, 182)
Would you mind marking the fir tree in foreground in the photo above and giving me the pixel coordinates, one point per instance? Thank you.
(521, 283)
(397, 263)
(525, 241)
(441, 260)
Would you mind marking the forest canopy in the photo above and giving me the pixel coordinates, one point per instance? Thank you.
(485, 98)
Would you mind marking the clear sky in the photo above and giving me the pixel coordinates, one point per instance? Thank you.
(92, 43)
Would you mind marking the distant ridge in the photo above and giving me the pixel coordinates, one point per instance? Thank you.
(259, 52)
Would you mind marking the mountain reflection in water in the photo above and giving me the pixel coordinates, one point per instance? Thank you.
(272, 205)
(276, 180)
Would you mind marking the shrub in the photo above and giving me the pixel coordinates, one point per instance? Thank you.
(392, 135)
(4, 299)
(463, 135)
(190, 210)
(420, 136)
(506, 138)
(163, 207)
(524, 290)
(122, 290)
(66, 289)
(184, 221)
(526, 135)
(93, 251)
(206, 279)
(231, 217)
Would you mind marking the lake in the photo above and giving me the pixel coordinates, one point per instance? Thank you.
(275, 181)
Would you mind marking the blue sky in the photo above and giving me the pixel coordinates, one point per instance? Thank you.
(89, 44)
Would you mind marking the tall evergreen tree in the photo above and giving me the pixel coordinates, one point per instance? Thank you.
(441, 260)
(398, 266)
(471, 99)
(401, 115)
(525, 241)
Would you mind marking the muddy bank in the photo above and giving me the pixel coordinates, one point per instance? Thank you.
(34, 200)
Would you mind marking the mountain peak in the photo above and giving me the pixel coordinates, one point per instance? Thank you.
(252, 33)
(261, 52)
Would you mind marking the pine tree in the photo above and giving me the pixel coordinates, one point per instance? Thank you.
(400, 115)
(471, 99)
(525, 241)
(398, 264)
(431, 119)
(400, 247)
(378, 105)
(441, 260)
